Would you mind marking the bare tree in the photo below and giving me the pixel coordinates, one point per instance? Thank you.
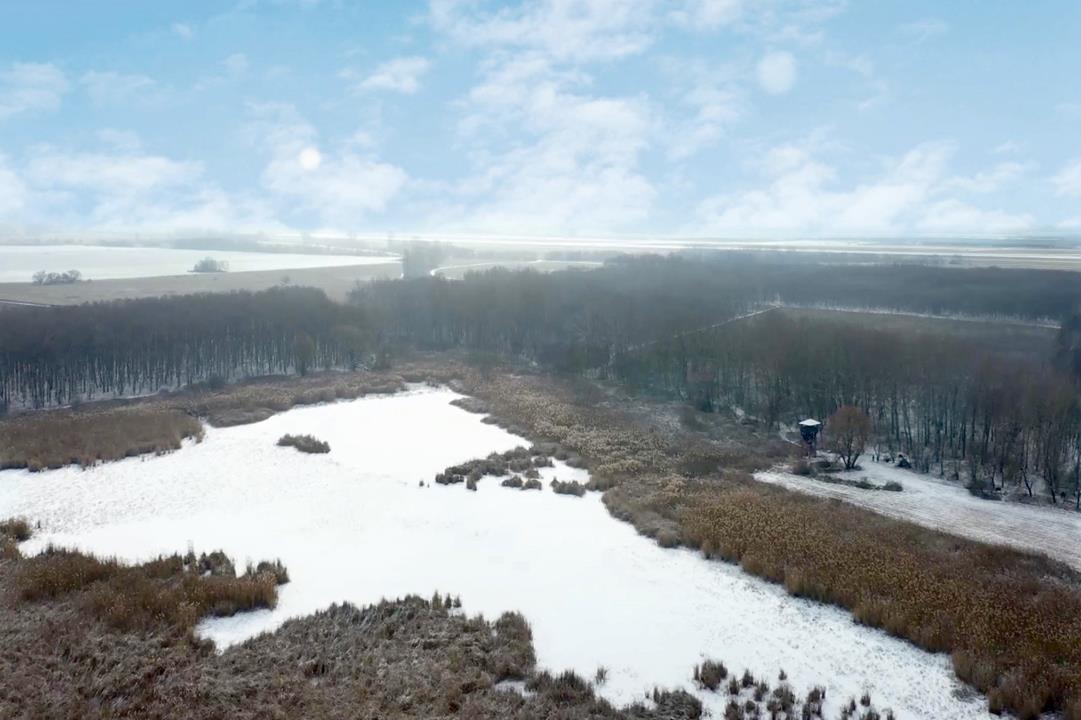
(848, 431)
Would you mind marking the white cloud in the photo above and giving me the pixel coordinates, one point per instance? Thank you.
(989, 181)
(706, 14)
(548, 158)
(183, 30)
(30, 86)
(1009, 147)
(398, 75)
(776, 72)
(953, 217)
(565, 30)
(800, 198)
(920, 31)
(129, 173)
(125, 189)
(12, 191)
(805, 196)
(339, 184)
(1067, 181)
(714, 101)
(110, 87)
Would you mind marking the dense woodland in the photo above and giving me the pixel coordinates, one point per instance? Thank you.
(56, 355)
(1001, 421)
(658, 324)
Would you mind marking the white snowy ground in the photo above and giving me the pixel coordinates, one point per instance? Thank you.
(946, 506)
(354, 525)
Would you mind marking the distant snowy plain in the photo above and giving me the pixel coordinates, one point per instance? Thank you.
(18, 263)
(355, 525)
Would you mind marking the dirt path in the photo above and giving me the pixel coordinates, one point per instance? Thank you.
(1052, 531)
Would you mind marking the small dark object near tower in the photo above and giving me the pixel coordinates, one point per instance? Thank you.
(808, 430)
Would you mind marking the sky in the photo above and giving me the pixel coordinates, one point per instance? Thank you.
(707, 118)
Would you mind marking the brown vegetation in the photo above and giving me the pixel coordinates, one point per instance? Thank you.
(1009, 619)
(84, 649)
(572, 487)
(16, 529)
(518, 460)
(75, 437)
(304, 443)
(170, 592)
(93, 433)
(848, 431)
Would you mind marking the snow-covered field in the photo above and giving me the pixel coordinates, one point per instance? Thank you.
(355, 525)
(946, 506)
(18, 263)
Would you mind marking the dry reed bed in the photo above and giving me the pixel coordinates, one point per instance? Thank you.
(65, 657)
(170, 592)
(52, 439)
(1011, 621)
(114, 430)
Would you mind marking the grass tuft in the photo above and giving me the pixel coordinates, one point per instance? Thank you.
(304, 443)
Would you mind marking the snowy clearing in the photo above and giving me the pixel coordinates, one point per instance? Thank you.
(18, 263)
(354, 525)
(949, 507)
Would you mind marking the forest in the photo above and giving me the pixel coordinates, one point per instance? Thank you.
(964, 412)
(57, 355)
(952, 406)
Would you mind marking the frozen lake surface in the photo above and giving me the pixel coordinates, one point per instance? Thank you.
(18, 263)
(354, 525)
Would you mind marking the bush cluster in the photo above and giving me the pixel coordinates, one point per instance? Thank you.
(305, 444)
(518, 460)
(172, 591)
(572, 487)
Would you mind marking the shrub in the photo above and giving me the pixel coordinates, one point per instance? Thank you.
(532, 484)
(274, 569)
(572, 487)
(893, 486)
(304, 443)
(210, 265)
(170, 591)
(514, 481)
(802, 467)
(16, 529)
(710, 674)
(54, 278)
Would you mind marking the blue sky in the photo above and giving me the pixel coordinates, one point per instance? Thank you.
(720, 118)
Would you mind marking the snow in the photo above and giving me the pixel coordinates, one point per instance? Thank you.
(949, 507)
(354, 525)
(18, 263)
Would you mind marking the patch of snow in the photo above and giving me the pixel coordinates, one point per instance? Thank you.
(354, 525)
(949, 507)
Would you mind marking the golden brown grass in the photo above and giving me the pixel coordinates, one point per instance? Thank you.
(16, 529)
(1011, 621)
(96, 433)
(56, 438)
(170, 591)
